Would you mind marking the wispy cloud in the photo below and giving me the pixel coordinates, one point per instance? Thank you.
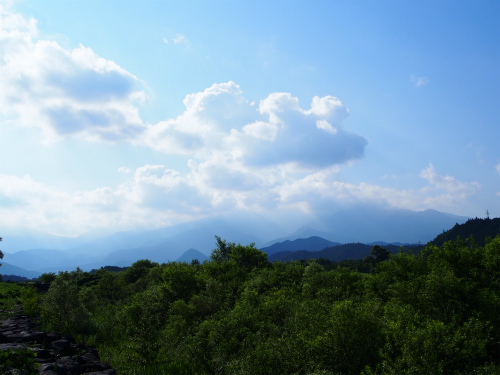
(450, 185)
(419, 81)
(177, 39)
(180, 39)
(124, 170)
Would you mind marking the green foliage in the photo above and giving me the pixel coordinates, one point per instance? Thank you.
(30, 299)
(46, 278)
(377, 254)
(62, 309)
(138, 270)
(352, 337)
(143, 319)
(18, 361)
(433, 312)
(1, 253)
(478, 229)
(247, 257)
(182, 280)
(9, 292)
(110, 288)
(222, 251)
(417, 345)
(9, 296)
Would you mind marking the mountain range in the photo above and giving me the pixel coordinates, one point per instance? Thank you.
(340, 252)
(41, 252)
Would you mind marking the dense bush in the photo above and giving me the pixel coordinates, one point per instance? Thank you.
(435, 312)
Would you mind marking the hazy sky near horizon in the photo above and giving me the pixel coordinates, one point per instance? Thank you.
(123, 114)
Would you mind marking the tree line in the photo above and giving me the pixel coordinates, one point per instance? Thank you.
(431, 312)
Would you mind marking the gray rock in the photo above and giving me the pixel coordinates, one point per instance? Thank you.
(60, 346)
(19, 332)
(46, 367)
(12, 346)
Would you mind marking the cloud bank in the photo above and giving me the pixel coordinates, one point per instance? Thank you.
(155, 195)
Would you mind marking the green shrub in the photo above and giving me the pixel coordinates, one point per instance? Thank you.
(19, 359)
(30, 299)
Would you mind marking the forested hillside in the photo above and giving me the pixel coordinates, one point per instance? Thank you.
(339, 253)
(433, 312)
(479, 229)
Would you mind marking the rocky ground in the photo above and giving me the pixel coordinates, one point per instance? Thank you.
(55, 354)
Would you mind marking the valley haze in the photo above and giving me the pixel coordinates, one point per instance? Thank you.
(196, 240)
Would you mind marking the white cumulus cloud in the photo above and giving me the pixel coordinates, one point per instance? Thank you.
(64, 92)
(276, 132)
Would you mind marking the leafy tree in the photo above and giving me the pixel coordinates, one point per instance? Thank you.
(46, 278)
(248, 257)
(377, 254)
(62, 309)
(1, 254)
(245, 256)
(380, 253)
(222, 251)
(145, 316)
(138, 270)
(111, 287)
(182, 280)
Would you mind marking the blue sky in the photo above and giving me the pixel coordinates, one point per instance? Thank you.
(123, 114)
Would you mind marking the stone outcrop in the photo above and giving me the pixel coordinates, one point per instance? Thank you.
(55, 354)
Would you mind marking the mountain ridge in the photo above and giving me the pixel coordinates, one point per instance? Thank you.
(313, 243)
(169, 243)
(479, 229)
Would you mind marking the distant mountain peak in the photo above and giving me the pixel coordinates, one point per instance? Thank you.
(312, 243)
(190, 255)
